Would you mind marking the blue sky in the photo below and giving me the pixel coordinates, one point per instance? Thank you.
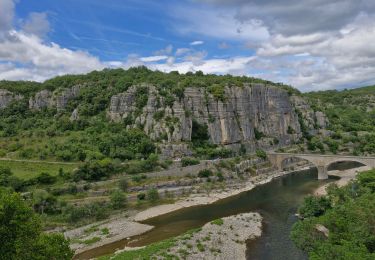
(113, 29)
(311, 44)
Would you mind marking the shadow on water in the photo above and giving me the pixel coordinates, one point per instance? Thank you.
(276, 201)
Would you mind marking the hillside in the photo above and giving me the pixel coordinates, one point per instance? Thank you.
(131, 114)
(351, 114)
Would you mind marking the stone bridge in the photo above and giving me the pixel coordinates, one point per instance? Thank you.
(320, 161)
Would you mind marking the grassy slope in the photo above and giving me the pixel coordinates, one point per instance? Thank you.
(29, 169)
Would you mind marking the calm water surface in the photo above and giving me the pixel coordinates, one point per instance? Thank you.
(276, 201)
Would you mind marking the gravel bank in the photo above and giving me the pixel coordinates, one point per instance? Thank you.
(220, 239)
(345, 177)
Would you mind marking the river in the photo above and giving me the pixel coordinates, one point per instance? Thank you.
(277, 201)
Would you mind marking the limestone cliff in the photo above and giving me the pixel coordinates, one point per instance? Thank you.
(57, 99)
(255, 115)
(7, 97)
(312, 119)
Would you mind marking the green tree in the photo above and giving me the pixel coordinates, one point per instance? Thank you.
(118, 199)
(21, 234)
(153, 195)
(123, 184)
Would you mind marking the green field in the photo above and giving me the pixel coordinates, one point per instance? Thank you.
(29, 169)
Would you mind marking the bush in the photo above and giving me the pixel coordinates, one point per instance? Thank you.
(314, 206)
(153, 195)
(261, 154)
(258, 134)
(123, 184)
(141, 196)
(94, 171)
(218, 222)
(96, 211)
(118, 199)
(204, 173)
(46, 178)
(139, 178)
(220, 176)
(186, 161)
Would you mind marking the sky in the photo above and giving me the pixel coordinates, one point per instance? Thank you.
(309, 44)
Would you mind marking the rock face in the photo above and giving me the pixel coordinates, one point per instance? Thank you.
(7, 97)
(57, 99)
(312, 119)
(75, 115)
(243, 113)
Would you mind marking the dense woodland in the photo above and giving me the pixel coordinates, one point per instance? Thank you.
(341, 224)
(352, 120)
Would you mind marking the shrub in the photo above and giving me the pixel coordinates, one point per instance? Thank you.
(314, 206)
(141, 196)
(261, 154)
(218, 222)
(94, 171)
(153, 195)
(46, 178)
(204, 173)
(258, 134)
(186, 161)
(123, 184)
(118, 199)
(139, 178)
(220, 176)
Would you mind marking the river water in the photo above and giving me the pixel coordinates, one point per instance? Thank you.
(277, 202)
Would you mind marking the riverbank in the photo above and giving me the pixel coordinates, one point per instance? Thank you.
(98, 234)
(130, 227)
(345, 177)
(223, 238)
(201, 199)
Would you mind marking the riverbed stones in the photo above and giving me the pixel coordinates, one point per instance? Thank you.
(223, 238)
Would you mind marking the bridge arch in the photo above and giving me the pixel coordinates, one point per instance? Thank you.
(357, 162)
(321, 162)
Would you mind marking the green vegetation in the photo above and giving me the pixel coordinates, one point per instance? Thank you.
(218, 222)
(153, 195)
(27, 170)
(186, 161)
(351, 114)
(261, 154)
(91, 240)
(153, 250)
(21, 232)
(205, 173)
(118, 199)
(347, 214)
(159, 248)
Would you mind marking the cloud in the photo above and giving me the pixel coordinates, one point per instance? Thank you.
(37, 24)
(6, 15)
(182, 51)
(219, 24)
(197, 43)
(167, 51)
(291, 17)
(28, 55)
(24, 55)
(312, 44)
(153, 58)
(223, 45)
